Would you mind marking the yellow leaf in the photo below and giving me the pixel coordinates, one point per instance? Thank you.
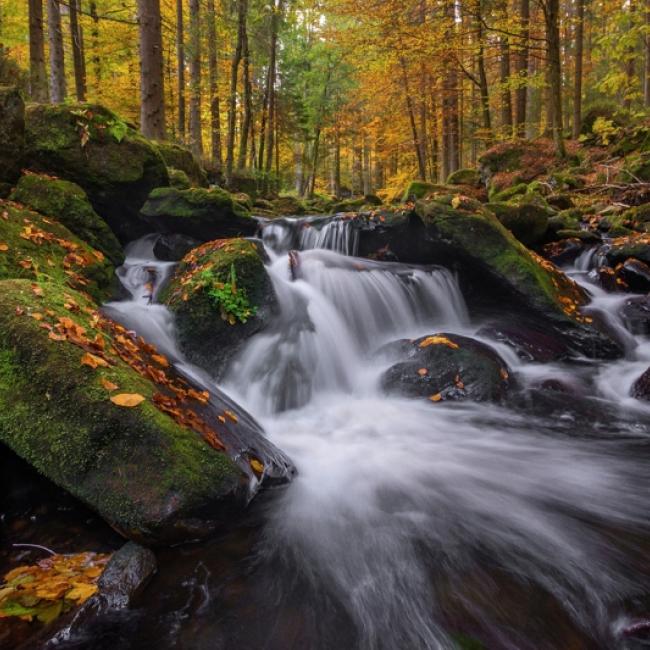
(93, 361)
(4, 248)
(436, 398)
(128, 400)
(256, 465)
(81, 592)
(438, 340)
(160, 360)
(108, 385)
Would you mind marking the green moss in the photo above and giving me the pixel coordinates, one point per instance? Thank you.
(68, 261)
(179, 179)
(136, 466)
(68, 203)
(507, 194)
(192, 203)
(465, 176)
(419, 189)
(180, 158)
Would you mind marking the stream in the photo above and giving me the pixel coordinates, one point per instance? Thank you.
(410, 524)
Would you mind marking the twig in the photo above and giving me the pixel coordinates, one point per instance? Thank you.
(38, 546)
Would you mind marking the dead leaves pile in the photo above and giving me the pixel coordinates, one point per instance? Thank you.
(106, 342)
(45, 590)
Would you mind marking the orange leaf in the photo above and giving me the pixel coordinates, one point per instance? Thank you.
(128, 400)
(438, 340)
(160, 360)
(108, 385)
(422, 372)
(4, 248)
(436, 398)
(93, 361)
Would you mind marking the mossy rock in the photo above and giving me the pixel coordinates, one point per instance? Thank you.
(12, 133)
(243, 199)
(221, 295)
(420, 189)
(527, 221)
(89, 145)
(565, 220)
(148, 476)
(586, 236)
(349, 205)
(36, 247)
(622, 248)
(288, 205)
(178, 157)
(476, 240)
(198, 213)
(505, 195)
(178, 179)
(445, 367)
(68, 204)
(465, 176)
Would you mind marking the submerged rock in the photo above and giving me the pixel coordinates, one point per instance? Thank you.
(104, 416)
(68, 203)
(448, 367)
(36, 247)
(221, 296)
(12, 133)
(93, 147)
(199, 213)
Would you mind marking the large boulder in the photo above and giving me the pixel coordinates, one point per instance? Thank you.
(93, 147)
(12, 133)
(102, 414)
(36, 247)
(447, 367)
(221, 295)
(526, 220)
(180, 158)
(199, 213)
(420, 189)
(288, 205)
(68, 203)
(466, 176)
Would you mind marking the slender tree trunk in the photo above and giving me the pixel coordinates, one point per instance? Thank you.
(336, 185)
(646, 38)
(57, 57)
(521, 68)
(271, 100)
(422, 170)
(246, 83)
(367, 188)
(94, 42)
(37, 72)
(196, 139)
(482, 75)
(152, 112)
(552, 10)
(506, 97)
(298, 167)
(577, 84)
(215, 105)
(77, 52)
(180, 58)
(232, 99)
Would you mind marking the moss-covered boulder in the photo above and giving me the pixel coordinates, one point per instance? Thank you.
(466, 176)
(420, 189)
(12, 133)
(36, 247)
(288, 205)
(622, 248)
(527, 220)
(444, 367)
(178, 179)
(198, 213)
(68, 203)
(178, 157)
(93, 147)
(102, 414)
(221, 295)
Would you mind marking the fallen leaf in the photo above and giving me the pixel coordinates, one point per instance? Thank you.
(128, 400)
(422, 372)
(256, 465)
(93, 361)
(4, 248)
(108, 385)
(438, 340)
(436, 398)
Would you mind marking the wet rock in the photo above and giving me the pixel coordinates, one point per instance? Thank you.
(564, 251)
(12, 133)
(115, 165)
(641, 387)
(608, 279)
(180, 158)
(622, 248)
(448, 367)
(221, 295)
(68, 204)
(172, 248)
(152, 476)
(198, 213)
(636, 315)
(530, 342)
(635, 274)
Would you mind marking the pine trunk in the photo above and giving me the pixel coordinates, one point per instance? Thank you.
(246, 83)
(180, 63)
(215, 105)
(577, 84)
(521, 69)
(196, 139)
(57, 57)
(77, 51)
(232, 102)
(37, 72)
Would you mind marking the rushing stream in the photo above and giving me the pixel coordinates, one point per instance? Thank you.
(410, 524)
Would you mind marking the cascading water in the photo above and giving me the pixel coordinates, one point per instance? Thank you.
(410, 525)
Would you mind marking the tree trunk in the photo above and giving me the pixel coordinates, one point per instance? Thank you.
(504, 78)
(246, 83)
(152, 112)
(646, 40)
(94, 42)
(551, 11)
(422, 170)
(180, 62)
(232, 100)
(215, 105)
(196, 139)
(521, 69)
(57, 57)
(577, 84)
(77, 51)
(37, 72)
(298, 167)
(482, 75)
(367, 187)
(271, 100)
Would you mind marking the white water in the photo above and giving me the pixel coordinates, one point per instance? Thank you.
(402, 506)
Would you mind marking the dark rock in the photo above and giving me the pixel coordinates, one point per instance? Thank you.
(465, 176)
(89, 145)
(209, 333)
(564, 251)
(641, 387)
(12, 133)
(197, 213)
(530, 342)
(180, 158)
(560, 201)
(622, 248)
(635, 274)
(448, 367)
(172, 248)
(528, 222)
(68, 204)
(372, 199)
(636, 315)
